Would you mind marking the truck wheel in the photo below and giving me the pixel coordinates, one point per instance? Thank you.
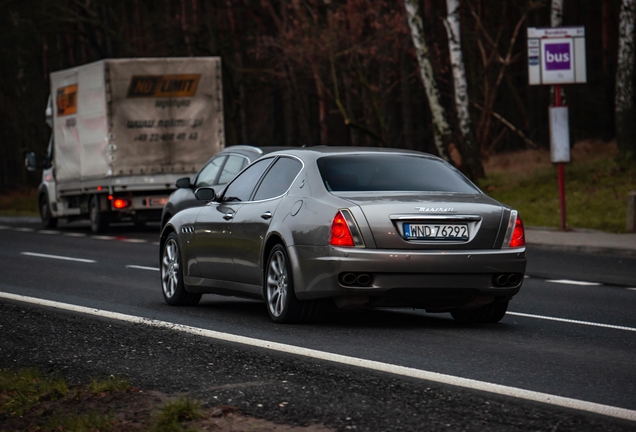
(99, 219)
(48, 221)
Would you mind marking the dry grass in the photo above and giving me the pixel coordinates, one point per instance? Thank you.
(527, 162)
(596, 186)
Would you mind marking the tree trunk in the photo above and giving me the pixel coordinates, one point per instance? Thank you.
(322, 110)
(556, 14)
(624, 99)
(407, 116)
(441, 128)
(470, 151)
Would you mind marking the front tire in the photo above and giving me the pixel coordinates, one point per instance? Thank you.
(172, 286)
(282, 304)
(48, 221)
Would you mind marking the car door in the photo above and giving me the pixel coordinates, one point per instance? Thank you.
(251, 224)
(213, 241)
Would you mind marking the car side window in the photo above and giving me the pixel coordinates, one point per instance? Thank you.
(208, 174)
(278, 179)
(232, 167)
(242, 186)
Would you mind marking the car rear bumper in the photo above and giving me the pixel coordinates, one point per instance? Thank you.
(406, 278)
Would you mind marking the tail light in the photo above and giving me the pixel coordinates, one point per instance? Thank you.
(120, 203)
(340, 232)
(344, 230)
(515, 234)
(518, 238)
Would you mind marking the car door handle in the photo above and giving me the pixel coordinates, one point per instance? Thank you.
(228, 215)
(267, 215)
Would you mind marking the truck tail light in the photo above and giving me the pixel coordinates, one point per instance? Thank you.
(120, 203)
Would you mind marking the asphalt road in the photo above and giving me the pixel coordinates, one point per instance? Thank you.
(571, 332)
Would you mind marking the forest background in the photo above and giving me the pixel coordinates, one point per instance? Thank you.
(306, 72)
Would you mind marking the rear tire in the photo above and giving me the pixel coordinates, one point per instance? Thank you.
(48, 221)
(99, 219)
(489, 314)
(282, 304)
(172, 286)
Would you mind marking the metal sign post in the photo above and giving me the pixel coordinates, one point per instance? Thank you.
(556, 56)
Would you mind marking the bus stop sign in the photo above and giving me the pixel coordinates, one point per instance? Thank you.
(556, 55)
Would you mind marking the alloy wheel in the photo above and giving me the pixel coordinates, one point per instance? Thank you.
(170, 268)
(277, 284)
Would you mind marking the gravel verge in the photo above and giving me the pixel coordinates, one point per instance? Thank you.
(284, 389)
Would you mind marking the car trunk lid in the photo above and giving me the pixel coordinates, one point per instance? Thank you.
(429, 221)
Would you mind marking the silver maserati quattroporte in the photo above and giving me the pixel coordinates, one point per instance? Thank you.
(359, 227)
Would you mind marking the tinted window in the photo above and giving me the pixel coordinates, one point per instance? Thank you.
(388, 172)
(208, 174)
(278, 179)
(242, 186)
(232, 167)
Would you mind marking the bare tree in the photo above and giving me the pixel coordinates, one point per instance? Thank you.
(443, 133)
(624, 99)
(470, 153)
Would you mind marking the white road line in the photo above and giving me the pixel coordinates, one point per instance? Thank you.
(24, 229)
(104, 237)
(546, 398)
(75, 234)
(49, 232)
(33, 254)
(573, 282)
(4, 227)
(632, 289)
(133, 240)
(156, 243)
(142, 267)
(570, 321)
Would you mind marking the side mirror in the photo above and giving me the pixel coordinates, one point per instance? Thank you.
(183, 183)
(31, 162)
(205, 194)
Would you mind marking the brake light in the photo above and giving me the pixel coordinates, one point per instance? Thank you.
(340, 232)
(120, 203)
(518, 238)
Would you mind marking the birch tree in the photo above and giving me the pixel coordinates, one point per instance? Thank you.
(442, 130)
(624, 99)
(556, 13)
(471, 151)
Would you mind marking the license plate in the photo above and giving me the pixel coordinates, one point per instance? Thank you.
(435, 231)
(157, 202)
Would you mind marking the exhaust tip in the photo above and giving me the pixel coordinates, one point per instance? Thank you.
(501, 280)
(348, 279)
(363, 279)
(513, 279)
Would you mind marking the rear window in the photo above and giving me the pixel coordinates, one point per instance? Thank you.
(390, 172)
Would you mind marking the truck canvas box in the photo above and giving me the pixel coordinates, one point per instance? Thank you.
(123, 131)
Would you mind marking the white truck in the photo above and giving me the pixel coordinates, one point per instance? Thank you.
(123, 132)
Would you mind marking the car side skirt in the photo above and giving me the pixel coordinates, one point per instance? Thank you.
(197, 285)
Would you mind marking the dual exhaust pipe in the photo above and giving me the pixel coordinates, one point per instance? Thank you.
(355, 279)
(507, 280)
